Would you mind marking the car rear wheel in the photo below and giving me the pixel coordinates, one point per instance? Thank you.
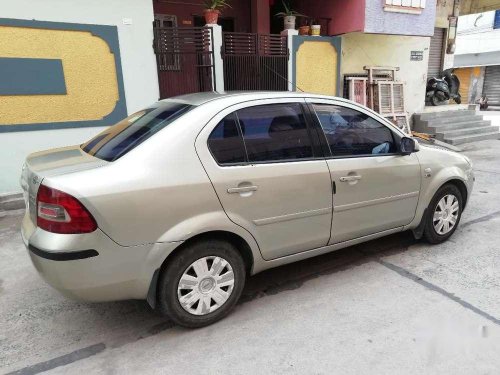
(444, 213)
(202, 283)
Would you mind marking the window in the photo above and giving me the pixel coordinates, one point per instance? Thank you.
(119, 139)
(404, 6)
(349, 132)
(225, 142)
(275, 132)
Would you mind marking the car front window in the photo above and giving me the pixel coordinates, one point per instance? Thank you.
(353, 133)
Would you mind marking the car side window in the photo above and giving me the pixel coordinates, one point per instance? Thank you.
(275, 132)
(351, 133)
(225, 142)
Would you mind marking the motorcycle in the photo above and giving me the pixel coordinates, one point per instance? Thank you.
(440, 90)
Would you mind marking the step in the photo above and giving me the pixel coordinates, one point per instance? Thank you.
(441, 114)
(12, 204)
(472, 138)
(9, 196)
(457, 125)
(447, 120)
(466, 131)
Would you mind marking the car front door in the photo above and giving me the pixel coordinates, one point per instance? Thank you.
(268, 174)
(376, 187)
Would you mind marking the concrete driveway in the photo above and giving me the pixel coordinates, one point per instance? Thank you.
(390, 306)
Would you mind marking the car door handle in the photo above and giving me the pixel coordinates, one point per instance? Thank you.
(350, 178)
(242, 189)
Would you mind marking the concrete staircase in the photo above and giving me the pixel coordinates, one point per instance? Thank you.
(11, 202)
(455, 127)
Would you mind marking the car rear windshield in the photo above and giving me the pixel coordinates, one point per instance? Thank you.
(119, 139)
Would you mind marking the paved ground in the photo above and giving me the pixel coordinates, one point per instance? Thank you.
(390, 306)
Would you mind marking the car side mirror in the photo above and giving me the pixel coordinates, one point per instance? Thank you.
(408, 146)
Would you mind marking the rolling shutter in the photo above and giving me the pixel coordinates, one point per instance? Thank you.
(492, 84)
(464, 75)
(436, 53)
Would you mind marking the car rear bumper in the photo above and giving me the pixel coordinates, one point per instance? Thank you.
(91, 266)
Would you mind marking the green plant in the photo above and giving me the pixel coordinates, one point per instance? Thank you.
(288, 11)
(216, 4)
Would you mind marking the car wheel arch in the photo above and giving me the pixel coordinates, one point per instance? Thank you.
(460, 186)
(236, 240)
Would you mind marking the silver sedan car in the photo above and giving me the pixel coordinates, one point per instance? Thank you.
(180, 202)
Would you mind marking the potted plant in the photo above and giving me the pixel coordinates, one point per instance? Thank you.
(289, 16)
(213, 9)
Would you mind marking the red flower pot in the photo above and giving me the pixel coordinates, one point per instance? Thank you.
(211, 16)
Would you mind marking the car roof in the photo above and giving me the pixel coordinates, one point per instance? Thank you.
(228, 98)
(204, 97)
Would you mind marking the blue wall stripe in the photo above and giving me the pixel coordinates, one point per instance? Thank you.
(20, 76)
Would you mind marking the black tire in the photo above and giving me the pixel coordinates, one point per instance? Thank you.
(430, 232)
(168, 302)
(436, 101)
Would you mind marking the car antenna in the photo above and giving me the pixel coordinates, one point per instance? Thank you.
(279, 75)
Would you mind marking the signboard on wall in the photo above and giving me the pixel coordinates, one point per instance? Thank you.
(416, 55)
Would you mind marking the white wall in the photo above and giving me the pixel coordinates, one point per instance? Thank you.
(137, 60)
(360, 49)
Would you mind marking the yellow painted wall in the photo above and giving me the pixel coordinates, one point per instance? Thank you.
(316, 68)
(359, 50)
(89, 71)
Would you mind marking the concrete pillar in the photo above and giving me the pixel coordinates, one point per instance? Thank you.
(290, 34)
(218, 76)
(260, 17)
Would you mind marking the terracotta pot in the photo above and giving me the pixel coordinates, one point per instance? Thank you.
(304, 30)
(211, 16)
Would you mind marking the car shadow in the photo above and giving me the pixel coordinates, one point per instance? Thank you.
(293, 275)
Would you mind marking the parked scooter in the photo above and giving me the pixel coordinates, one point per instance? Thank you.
(441, 90)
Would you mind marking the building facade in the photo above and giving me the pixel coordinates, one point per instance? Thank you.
(70, 68)
(477, 57)
(67, 69)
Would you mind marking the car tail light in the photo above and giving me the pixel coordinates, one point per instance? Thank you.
(59, 212)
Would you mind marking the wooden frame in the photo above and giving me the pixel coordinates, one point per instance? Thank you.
(357, 89)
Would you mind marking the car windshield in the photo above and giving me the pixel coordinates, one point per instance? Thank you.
(119, 139)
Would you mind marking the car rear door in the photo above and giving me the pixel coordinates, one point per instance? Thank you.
(376, 187)
(269, 175)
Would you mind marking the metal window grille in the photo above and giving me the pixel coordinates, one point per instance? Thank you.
(255, 61)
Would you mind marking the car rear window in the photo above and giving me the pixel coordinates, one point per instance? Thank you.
(119, 139)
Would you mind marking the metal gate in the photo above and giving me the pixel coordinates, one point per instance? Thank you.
(184, 57)
(492, 84)
(255, 61)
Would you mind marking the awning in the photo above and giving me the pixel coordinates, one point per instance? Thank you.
(477, 59)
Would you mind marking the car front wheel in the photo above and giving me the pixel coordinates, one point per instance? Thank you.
(444, 213)
(202, 283)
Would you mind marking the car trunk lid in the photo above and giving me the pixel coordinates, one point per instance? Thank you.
(51, 163)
